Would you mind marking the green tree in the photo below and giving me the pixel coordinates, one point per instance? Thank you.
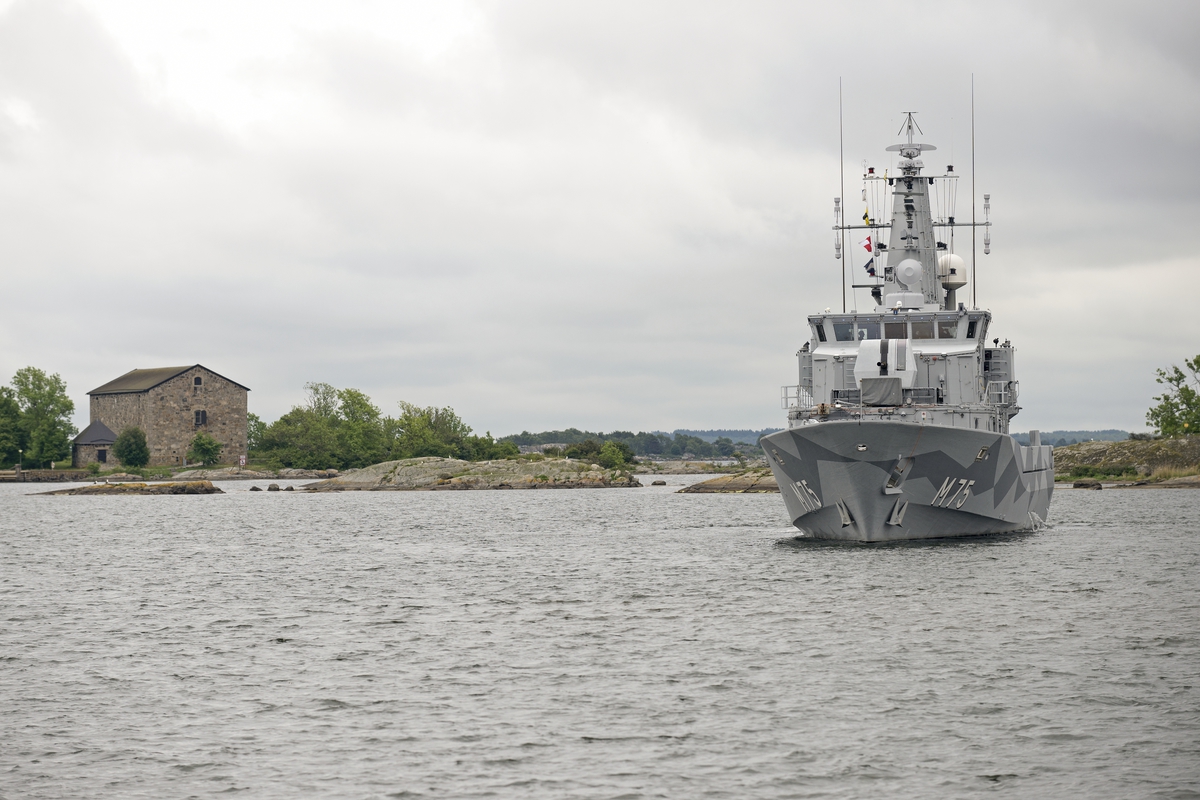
(429, 432)
(485, 448)
(12, 437)
(255, 428)
(587, 450)
(45, 415)
(343, 428)
(647, 444)
(360, 431)
(322, 399)
(683, 444)
(615, 454)
(130, 448)
(1178, 410)
(204, 449)
(304, 439)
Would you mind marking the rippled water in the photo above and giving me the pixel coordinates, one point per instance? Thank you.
(588, 643)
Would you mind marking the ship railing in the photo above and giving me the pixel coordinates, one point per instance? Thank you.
(920, 396)
(1002, 393)
(925, 396)
(800, 397)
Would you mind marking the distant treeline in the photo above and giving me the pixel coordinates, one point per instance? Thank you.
(737, 435)
(643, 443)
(1064, 438)
(342, 428)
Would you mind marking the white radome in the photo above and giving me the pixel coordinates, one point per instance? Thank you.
(952, 271)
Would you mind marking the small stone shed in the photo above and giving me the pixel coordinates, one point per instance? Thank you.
(171, 405)
(94, 443)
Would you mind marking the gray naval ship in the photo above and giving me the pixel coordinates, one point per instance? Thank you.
(898, 428)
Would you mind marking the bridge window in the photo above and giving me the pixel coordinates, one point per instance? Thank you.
(820, 332)
(868, 330)
(843, 331)
(895, 330)
(947, 328)
(971, 328)
(922, 330)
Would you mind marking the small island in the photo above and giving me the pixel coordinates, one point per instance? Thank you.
(451, 474)
(126, 489)
(756, 480)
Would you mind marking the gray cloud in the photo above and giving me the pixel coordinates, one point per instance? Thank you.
(610, 216)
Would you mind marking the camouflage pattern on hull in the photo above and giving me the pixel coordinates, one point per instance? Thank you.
(875, 481)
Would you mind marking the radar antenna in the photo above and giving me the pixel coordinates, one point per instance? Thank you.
(912, 149)
(909, 124)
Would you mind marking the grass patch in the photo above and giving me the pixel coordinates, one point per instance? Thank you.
(1166, 473)
(1106, 472)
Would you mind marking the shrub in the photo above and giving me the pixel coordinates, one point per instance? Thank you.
(615, 454)
(204, 449)
(587, 450)
(130, 448)
(1110, 471)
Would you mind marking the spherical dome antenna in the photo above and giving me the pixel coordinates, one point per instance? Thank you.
(952, 271)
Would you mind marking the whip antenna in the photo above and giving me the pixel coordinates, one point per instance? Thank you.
(974, 297)
(842, 174)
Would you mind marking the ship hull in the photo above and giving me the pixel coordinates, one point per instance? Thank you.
(874, 481)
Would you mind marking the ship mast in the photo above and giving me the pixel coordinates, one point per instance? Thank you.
(910, 278)
(916, 275)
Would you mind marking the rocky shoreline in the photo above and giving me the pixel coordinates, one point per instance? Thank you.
(450, 474)
(1141, 456)
(243, 474)
(752, 481)
(1186, 482)
(125, 489)
(681, 467)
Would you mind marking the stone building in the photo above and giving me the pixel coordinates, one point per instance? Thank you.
(171, 405)
(94, 443)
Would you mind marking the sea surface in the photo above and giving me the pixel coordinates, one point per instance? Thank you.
(622, 643)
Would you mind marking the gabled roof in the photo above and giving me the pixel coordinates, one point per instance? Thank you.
(96, 433)
(143, 380)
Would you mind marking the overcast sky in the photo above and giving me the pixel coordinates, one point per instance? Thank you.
(610, 215)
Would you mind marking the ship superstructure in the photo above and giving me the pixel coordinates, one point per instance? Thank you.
(898, 425)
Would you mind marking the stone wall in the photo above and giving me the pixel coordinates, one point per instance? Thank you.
(167, 415)
(119, 411)
(172, 410)
(84, 454)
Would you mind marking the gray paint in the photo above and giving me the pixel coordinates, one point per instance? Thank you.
(899, 426)
(819, 467)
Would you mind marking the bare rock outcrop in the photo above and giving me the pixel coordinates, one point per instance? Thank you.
(185, 487)
(751, 481)
(450, 474)
(243, 474)
(1142, 456)
(1186, 482)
